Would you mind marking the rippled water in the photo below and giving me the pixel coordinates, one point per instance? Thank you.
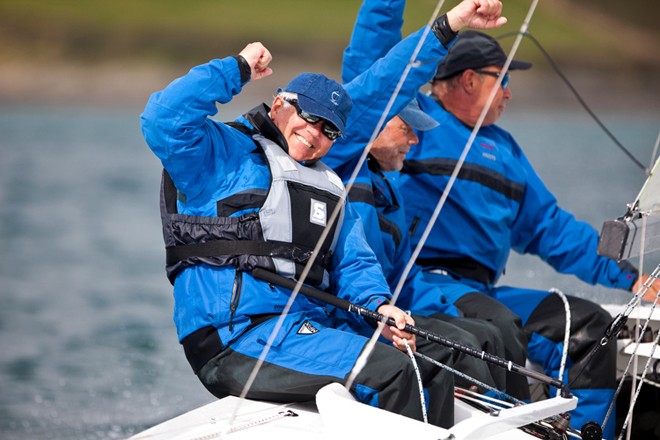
(88, 348)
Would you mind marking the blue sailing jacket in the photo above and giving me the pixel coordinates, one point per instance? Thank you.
(378, 203)
(210, 161)
(498, 203)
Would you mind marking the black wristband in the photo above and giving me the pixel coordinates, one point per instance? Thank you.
(244, 67)
(443, 31)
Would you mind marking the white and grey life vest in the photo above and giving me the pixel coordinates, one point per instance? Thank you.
(280, 237)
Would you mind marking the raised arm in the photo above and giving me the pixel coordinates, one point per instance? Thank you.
(176, 121)
(372, 88)
(258, 58)
(378, 28)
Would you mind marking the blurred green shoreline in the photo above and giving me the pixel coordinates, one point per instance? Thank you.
(85, 50)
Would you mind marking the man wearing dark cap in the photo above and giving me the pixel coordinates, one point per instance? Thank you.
(475, 61)
(499, 204)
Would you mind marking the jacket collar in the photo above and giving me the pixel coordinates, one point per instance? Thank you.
(260, 120)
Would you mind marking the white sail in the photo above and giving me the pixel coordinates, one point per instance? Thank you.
(638, 232)
(648, 200)
(643, 225)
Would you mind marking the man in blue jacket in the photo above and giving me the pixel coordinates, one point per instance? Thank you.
(253, 193)
(499, 203)
(224, 188)
(381, 208)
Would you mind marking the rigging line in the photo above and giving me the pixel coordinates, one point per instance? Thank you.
(362, 359)
(395, 294)
(641, 291)
(471, 379)
(618, 322)
(654, 155)
(634, 209)
(331, 221)
(491, 401)
(372, 316)
(636, 299)
(279, 414)
(466, 149)
(639, 387)
(635, 205)
(567, 333)
(420, 385)
(577, 95)
(252, 417)
(646, 380)
(491, 407)
(635, 367)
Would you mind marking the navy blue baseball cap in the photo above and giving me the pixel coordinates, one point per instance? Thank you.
(414, 116)
(321, 96)
(474, 50)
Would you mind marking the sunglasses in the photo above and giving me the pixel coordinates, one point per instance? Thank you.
(328, 128)
(505, 80)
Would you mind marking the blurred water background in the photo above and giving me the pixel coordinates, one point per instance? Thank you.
(88, 349)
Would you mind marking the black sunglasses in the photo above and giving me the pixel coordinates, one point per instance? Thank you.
(328, 128)
(505, 80)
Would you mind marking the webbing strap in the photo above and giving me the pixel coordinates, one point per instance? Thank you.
(217, 248)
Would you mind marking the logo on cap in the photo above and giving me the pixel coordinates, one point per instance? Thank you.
(335, 98)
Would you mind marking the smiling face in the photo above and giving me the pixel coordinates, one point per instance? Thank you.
(306, 141)
(392, 144)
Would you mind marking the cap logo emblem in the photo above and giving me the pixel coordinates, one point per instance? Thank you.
(334, 98)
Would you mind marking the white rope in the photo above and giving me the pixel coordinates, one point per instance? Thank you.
(647, 284)
(417, 250)
(630, 306)
(567, 333)
(331, 221)
(374, 338)
(466, 149)
(335, 213)
(491, 406)
(647, 380)
(635, 366)
(639, 387)
(422, 399)
(275, 413)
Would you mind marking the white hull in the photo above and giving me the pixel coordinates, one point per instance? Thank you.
(337, 415)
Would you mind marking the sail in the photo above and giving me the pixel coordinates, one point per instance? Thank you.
(646, 229)
(648, 200)
(638, 232)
